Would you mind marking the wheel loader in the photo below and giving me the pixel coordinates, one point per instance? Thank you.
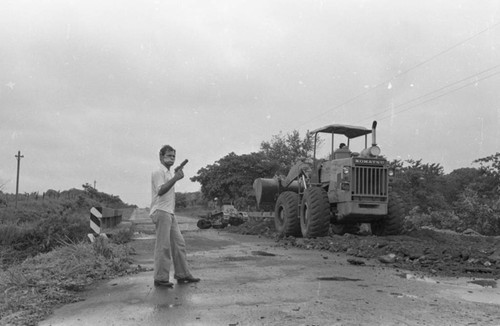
(337, 191)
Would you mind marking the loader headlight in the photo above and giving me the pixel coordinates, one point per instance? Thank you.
(346, 170)
(375, 151)
(391, 173)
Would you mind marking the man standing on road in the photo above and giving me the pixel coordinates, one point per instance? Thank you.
(170, 245)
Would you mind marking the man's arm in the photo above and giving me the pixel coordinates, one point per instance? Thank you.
(170, 183)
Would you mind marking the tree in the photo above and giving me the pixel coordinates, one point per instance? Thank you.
(490, 166)
(88, 188)
(419, 184)
(3, 202)
(458, 180)
(180, 200)
(194, 199)
(231, 178)
(287, 149)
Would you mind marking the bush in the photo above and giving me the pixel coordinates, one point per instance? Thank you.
(470, 212)
(44, 235)
(477, 214)
(415, 220)
(437, 219)
(123, 235)
(447, 220)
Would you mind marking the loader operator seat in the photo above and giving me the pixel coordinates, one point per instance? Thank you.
(342, 152)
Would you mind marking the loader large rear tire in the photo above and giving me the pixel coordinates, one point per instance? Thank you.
(315, 213)
(392, 223)
(286, 214)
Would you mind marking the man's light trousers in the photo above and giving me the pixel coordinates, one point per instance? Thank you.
(170, 246)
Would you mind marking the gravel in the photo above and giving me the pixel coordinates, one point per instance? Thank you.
(426, 250)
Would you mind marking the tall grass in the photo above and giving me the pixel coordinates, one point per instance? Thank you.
(31, 289)
(46, 258)
(10, 233)
(40, 226)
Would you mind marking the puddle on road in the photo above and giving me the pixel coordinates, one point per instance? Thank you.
(417, 278)
(238, 258)
(481, 282)
(262, 253)
(254, 253)
(480, 297)
(339, 279)
(485, 283)
(403, 295)
(162, 307)
(476, 290)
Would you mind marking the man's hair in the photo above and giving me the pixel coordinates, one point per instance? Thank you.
(166, 148)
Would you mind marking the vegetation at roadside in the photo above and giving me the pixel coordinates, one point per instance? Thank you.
(39, 226)
(466, 198)
(45, 255)
(34, 287)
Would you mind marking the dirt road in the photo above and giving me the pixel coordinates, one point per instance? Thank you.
(248, 280)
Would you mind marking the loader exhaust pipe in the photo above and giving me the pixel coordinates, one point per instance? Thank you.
(374, 150)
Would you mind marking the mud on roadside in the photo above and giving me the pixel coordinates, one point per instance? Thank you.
(433, 252)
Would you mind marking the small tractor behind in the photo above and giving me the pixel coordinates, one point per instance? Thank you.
(221, 218)
(342, 190)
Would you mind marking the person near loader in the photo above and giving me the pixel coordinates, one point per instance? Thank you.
(342, 152)
(170, 245)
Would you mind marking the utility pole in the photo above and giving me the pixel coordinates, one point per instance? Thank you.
(19, 157)
(94, 184)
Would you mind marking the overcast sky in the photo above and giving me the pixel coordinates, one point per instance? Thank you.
(90, 90)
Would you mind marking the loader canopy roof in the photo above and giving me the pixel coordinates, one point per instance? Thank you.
(346, 130)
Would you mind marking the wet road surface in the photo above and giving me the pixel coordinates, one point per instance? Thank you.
(247, 280)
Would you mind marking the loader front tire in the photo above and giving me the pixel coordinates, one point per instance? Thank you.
(392, 223)
(315, 213)
(286, 214)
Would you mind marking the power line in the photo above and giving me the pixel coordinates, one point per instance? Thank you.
(438, 90)
(402, 73)
(454, 83)
(435, 97)
(444, 51)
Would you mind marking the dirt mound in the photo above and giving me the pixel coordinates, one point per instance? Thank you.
(263, 227)
(430, 251)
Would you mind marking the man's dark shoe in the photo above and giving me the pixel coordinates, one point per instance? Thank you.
(164, 283)
(184, 280)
